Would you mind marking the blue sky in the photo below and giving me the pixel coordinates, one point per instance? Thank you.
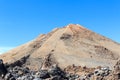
(23, 20)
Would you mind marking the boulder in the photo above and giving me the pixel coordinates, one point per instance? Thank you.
(3, 69)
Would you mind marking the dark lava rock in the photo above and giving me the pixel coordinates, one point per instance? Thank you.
(3, 70)
(55, 70)
(42, 74)
(56, 73)
(8, 76)
(57, 78)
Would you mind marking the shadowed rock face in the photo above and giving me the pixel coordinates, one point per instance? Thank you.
(116, 72)
(72, 44)
(3, 70)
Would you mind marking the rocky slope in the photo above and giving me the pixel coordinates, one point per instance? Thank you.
(72, 44)
(17, 71)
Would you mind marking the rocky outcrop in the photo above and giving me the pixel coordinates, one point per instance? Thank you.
(116, 72)
(54, 72)
(3, 70)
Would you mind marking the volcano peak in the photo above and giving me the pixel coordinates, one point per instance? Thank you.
(73, 44)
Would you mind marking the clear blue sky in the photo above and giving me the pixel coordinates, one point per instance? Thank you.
(23, 20)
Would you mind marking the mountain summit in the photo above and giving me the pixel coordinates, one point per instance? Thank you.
(66, 46)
